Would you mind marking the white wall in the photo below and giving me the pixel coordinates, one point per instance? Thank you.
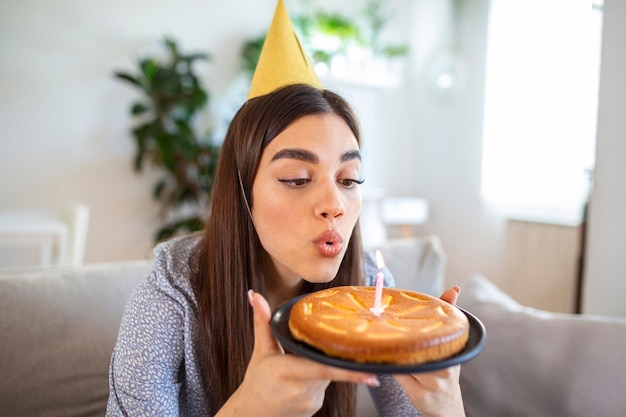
(435, 147)
(605, 272)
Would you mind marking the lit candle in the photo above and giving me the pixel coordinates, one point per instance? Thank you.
(380, 278)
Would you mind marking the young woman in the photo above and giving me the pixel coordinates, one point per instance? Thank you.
(195, 339)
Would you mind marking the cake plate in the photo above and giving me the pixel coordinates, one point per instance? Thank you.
(280, 328)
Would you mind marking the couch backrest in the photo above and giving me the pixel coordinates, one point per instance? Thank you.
(542, 364)
(417, 264)
(58, 327)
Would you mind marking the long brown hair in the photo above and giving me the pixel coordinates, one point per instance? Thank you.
(230, 252)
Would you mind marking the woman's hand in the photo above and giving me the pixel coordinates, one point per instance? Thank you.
(282, 385)
(436, 393)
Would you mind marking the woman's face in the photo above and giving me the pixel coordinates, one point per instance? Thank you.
(306, 199)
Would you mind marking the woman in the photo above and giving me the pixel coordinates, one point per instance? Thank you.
(195, 338)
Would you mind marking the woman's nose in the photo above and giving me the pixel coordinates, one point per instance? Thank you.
(330, 204)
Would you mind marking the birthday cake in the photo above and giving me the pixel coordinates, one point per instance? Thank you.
(413, 327)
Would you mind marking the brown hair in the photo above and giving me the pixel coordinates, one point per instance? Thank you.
(229, 255)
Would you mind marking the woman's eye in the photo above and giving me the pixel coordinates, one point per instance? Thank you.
(350, 182)
(295, 182)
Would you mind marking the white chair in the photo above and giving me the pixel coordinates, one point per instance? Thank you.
(44, 237)
(76, 216)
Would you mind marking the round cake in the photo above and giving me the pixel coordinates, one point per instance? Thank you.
(414, 328)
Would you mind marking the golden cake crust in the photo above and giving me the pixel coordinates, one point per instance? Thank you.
(414, 328)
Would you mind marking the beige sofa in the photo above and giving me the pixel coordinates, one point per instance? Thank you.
(542, 364)
(58, 327)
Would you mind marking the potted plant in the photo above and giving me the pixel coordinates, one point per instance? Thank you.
(166, 136)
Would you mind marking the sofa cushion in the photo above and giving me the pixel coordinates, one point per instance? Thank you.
(58, 329)
(417, 264)
(541, 364)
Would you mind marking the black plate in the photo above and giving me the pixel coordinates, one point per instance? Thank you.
(280, 328)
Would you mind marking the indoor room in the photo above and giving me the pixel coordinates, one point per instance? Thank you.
(490, 146)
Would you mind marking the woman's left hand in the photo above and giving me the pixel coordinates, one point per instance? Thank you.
(436, 393)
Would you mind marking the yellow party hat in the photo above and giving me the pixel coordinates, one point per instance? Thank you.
(283, 61)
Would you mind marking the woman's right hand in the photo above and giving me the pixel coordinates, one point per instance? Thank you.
(282, 385)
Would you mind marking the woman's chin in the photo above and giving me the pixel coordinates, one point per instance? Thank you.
(322, 277)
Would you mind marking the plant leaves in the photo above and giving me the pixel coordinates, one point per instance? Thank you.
(128, 78)
(169, 138)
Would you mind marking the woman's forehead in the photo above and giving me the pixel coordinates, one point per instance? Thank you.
(327, 128)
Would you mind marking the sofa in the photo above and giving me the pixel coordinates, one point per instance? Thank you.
(58, 327)
(542, 364)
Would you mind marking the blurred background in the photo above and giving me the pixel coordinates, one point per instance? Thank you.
(492, 124)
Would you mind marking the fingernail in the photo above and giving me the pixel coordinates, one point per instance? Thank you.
(372, 381)
(457, 289)
(250, 296)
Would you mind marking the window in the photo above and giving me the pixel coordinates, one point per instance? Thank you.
(541, 97)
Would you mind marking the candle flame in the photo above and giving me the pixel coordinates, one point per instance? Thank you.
(380, 262)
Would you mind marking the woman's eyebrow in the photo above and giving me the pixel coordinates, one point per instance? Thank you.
(308, 156)
(350, 155)
(294, 153)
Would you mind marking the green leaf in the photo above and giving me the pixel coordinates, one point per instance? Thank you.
(138, 108)
(138, 161)
(158, 189)
(196, 56)
(194, 224)
(395, 50)
(334, 24)
(164, 232)
(143, 131)
(171, 46)
(149, 69)
(128, 78)
(251, 52)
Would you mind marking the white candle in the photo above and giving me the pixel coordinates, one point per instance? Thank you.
(380, 278)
